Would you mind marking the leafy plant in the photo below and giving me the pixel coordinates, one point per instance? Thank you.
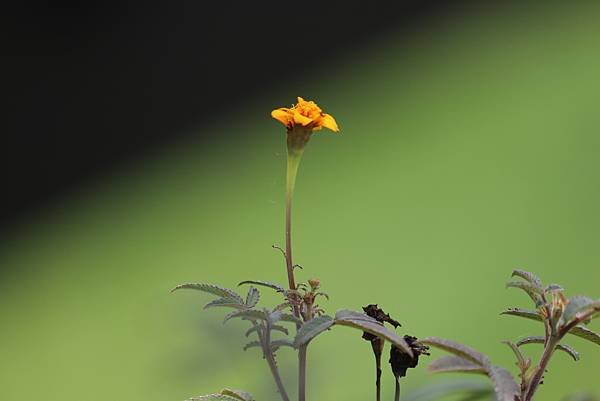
(560, 316)
(298, 319)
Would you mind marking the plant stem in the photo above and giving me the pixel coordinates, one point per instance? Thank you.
(293, 161)
(377, 348)
(397, 392)
(549, 348)
(302, 372)
(268, 353)
(275, 372)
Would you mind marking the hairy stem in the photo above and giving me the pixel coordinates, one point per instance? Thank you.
(302, 372)
(268, 353)
(549, 348)
(397, 392)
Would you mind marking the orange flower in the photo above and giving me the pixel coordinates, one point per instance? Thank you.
(305, 114)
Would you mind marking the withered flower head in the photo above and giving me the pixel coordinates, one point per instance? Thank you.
(401, 361)
(378, 314)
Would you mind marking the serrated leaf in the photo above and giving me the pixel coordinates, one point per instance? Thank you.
(434, 392)
(282, 306)
(252, 344)
(213, 397)
(515, 349)
(505, 386)
(225, 302)
(530, 277)
(584, 332)
(252, 297)
(285, 317)
(283, 342)
(540, 340)
(268, 284)
(249, 314)
(252, 330)
(458, 349)
(366, 323)
(454, 364)
(577, 304)
(311, 329)
(238, 394)
(526, 313)
(211, 289)
(531, 290)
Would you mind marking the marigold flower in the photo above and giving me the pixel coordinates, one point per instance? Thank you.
(305, 114)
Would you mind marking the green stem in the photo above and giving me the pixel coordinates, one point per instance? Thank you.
(293, 161)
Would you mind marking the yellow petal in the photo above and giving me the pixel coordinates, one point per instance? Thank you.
(300, 100)
(328, 121)
(282, 115)
(300, 119)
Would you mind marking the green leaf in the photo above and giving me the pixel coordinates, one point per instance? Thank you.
(584, 332)
(225, 302)
(540, 340)
(268, 284)
(366, 323)
(454, 364)
(211, 289)
(526, 313)
(311, 329)
(213, 397)
(238, 394)
(515, 349)
(531, 290)
(283, 342)
(577, 304)
(273, 327)
(252, 344)
(252, 297)
(458, 349)
(434, 392)
(530, 277)
(505, 386)
(251, 314)
(285, 317)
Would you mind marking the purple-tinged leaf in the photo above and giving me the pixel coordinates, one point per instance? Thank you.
(458, 349)
(505, 386)
(526, 313)
(579, 304)
(540, 340)
(530, 277)
(584, 332)
(454, 364)
(531, 290)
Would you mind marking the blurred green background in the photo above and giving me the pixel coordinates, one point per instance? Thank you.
(466, 151)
